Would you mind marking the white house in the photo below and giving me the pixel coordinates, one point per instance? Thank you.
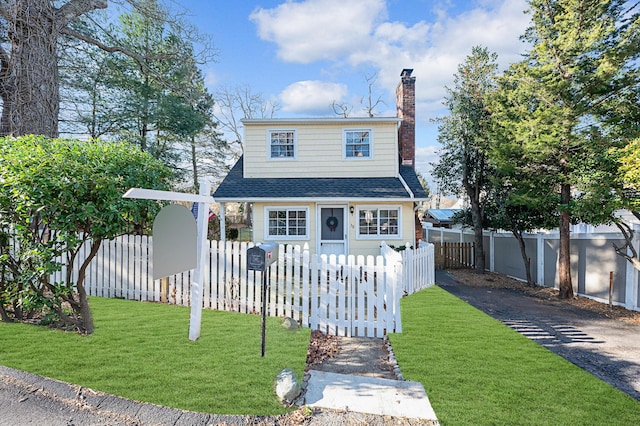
(342, 185)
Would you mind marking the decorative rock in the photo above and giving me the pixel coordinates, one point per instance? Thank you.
(393, 361)
(290, 324)
(287, 386)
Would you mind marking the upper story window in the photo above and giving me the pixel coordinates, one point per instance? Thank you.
(376, 222)
(358, 143)
(282, 143)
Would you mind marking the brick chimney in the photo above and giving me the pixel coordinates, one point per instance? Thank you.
(406, 105)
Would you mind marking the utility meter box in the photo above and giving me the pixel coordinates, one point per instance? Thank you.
(260, 257)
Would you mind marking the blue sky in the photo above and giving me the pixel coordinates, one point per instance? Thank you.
(305, 54)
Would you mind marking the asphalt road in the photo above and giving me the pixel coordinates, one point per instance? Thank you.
(28, 399)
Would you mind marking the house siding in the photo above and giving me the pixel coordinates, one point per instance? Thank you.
(372, 247)
(260, 224)
(320, 151)
(360, 246)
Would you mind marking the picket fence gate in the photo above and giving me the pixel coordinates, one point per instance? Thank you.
(339, 295)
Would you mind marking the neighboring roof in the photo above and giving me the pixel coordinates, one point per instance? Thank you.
(442, 215)
(235, 187)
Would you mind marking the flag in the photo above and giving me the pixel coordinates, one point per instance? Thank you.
(194, 211)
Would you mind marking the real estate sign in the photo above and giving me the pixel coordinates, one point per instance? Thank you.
(175, 242)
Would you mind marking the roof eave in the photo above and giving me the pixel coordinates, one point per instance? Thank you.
(325, 120)
(316, 200)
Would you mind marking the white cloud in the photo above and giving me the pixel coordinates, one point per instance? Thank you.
(354, 38)
(210, 78)
(436, 49)
(355, 32)
(319, 29)
(311, 97)
(425, 155)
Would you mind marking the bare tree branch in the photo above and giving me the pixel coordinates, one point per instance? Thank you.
(238, 103)
(371, 105)
(628, 234)
(111, 49)
(76, 8)
(341, 109)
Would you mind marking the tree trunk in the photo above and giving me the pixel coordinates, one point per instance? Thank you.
(194, 165)
(474, 191)
(5, 124)
(564, 257)
(247, 214)
(525, 258)
(85, 310)
(478, 238)
(30, 90)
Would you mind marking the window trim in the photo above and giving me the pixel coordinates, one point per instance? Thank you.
(344, 143)
(295, 144)
(378, 236)
(268, 209)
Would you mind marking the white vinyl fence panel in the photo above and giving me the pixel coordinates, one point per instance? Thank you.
(593, 261)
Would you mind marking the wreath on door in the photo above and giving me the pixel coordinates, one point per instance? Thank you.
(332, 222)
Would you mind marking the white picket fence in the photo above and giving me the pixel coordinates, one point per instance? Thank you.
(417, 265)
(343, 295)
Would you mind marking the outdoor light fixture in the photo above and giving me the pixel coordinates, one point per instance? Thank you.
(351, 209)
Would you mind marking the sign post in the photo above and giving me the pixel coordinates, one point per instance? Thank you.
(260, 258)
(204, 199)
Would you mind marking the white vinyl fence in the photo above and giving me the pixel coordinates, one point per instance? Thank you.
(343, 295)
(597, 271)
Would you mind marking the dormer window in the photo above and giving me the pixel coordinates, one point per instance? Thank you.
(282, 144)
(358, 143)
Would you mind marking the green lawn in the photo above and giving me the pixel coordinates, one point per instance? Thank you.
(142, 351)
(477, 371)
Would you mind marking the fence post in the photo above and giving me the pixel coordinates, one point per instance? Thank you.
(631, 291)
(610, 289)
(164, 289)
(306, 295)
(540, 263)
(492, 251)
(396, 275)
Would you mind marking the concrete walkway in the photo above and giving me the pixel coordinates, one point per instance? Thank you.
(370, 395)
(363, 378)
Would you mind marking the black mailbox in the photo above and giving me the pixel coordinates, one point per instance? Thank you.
(260, 257)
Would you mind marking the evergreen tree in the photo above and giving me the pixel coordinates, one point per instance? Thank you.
(463, 166)
(584, 53)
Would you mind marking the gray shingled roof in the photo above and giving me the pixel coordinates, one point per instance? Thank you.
(235, 187)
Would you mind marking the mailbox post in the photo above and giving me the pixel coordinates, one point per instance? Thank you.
(260, 258)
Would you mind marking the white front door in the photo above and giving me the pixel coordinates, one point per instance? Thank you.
(332, 226)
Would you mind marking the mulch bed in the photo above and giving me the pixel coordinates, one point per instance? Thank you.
(493, 280)
(321, 347)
